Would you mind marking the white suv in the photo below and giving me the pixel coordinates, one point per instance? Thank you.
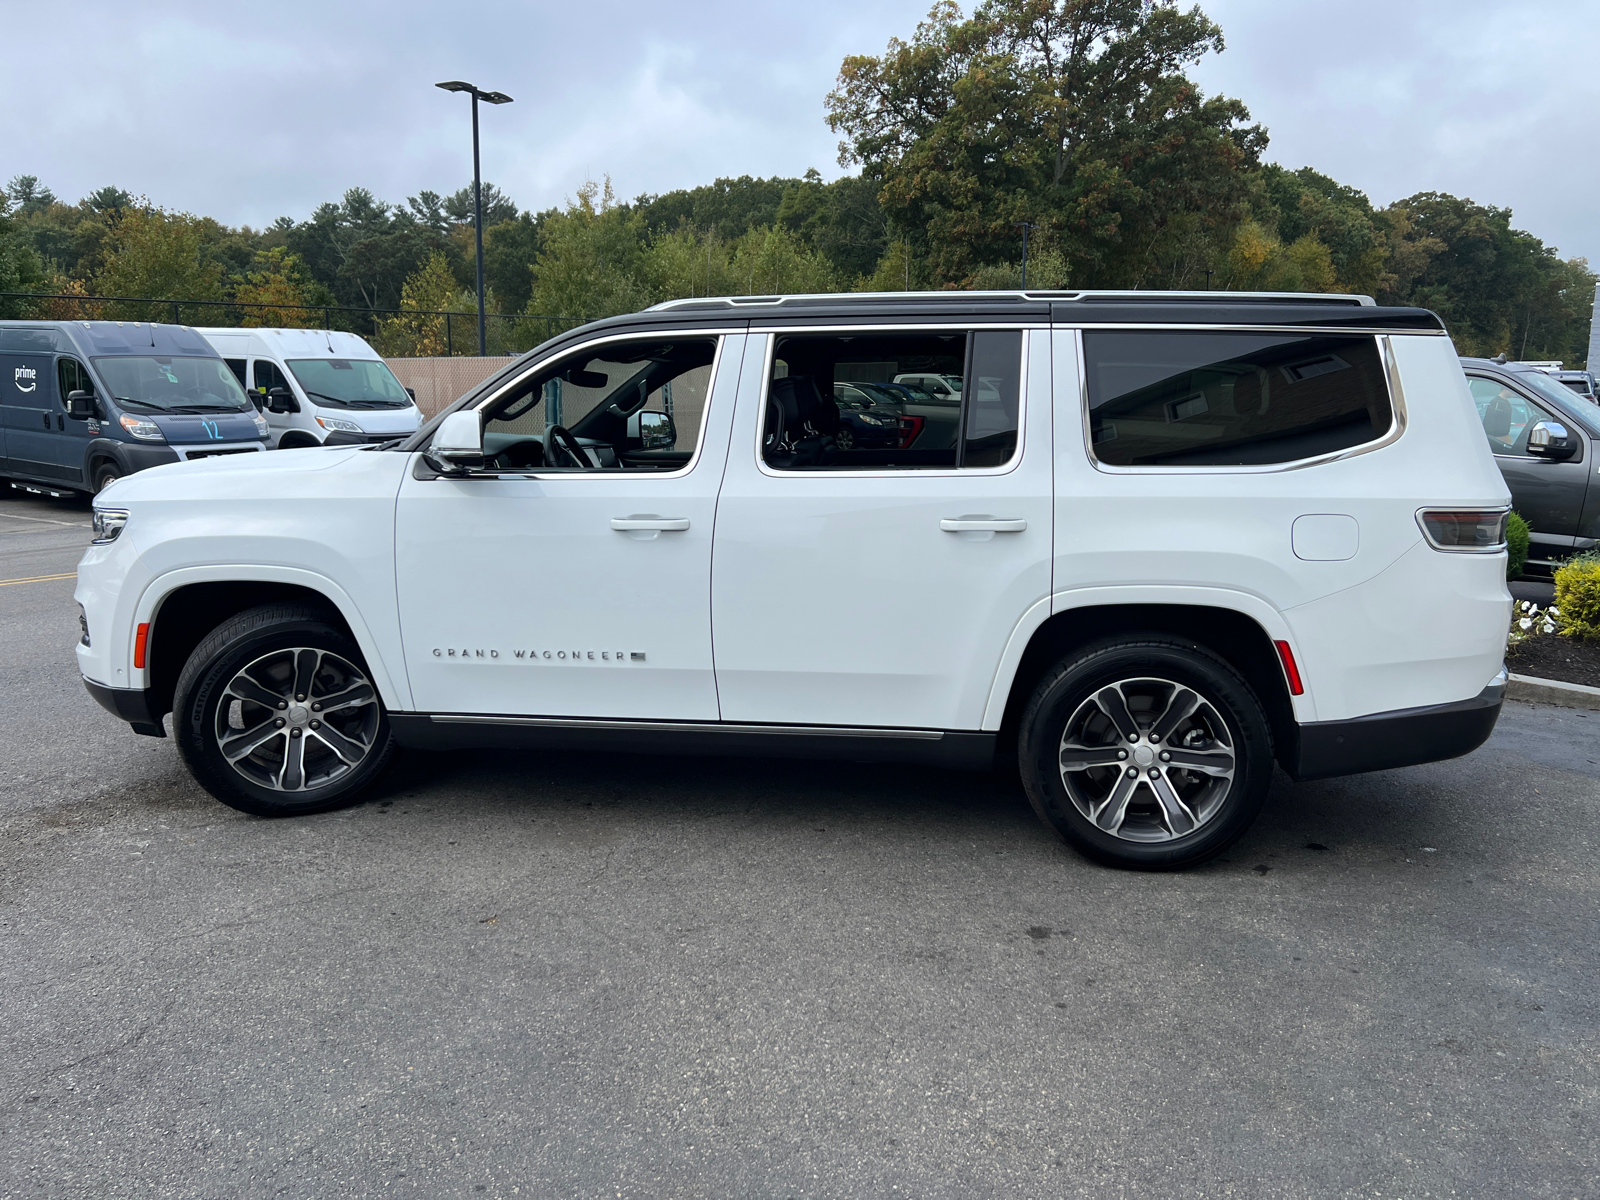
(1176, 539)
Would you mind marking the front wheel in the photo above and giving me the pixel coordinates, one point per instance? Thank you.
(104, 476)
(1146, 752)
(276, 715)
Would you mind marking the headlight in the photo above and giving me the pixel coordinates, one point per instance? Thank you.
(142, 428)
(340, 424)
(108, 523)
(262, 427)
(868, 419)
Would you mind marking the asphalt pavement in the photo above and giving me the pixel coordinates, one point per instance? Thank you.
(568, 976)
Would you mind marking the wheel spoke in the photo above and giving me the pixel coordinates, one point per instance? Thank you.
(1113, 704)
(305, 670)
(293, 776)
(1178, 817)
(244, 743)
(1208, 762)
(1109, 815)
(360, 693)
(246, 688)
(1081, 758)
(348, 749)
(1179, 709)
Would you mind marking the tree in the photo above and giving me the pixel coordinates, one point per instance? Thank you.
(28, 195)
(430, 291)
(160, 255)
(591, 264)
(19, 266)
(1071, 114)
(497, 206)
(278, 277)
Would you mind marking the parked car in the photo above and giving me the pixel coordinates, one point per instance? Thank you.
(1544, 439)
(865, 421)
(84, 403)
(318, 387)
(1178, 539)
(1581, 382)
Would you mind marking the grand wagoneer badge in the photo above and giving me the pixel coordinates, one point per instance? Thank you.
(541, 656)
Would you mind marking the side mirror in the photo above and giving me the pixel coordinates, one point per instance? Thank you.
(457, 444)
(81, 406)
(652, 430)
(1550, 439)
(412, 392)
(281, 400)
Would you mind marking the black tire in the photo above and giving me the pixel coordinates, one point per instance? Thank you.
(105, 475)
(1073, 749)
(297, 441)
(268, 647)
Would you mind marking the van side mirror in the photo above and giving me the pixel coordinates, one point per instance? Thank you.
(412, 392)
(81, 406)
(281, 400)
(457, 444)
(1550, 439)
(652, 431)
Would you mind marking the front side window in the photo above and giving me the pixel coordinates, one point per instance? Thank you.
(1222, 399)
(1508, 418)
(268, 378)
(149, 383)
(893, 401)
(350, 382)
(72, 376)
(636, 405)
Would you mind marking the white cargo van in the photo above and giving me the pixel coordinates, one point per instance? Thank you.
(317, 386)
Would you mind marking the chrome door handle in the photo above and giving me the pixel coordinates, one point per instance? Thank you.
(982, 525)
(665, 524)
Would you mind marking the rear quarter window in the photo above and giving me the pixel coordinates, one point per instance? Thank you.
(1219, 399)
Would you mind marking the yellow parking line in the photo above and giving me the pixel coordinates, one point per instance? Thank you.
(40, 578)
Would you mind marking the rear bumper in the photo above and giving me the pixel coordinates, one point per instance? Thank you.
(1397, 739)
(130, 704)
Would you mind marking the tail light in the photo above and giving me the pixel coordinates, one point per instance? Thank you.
(910, 427)
(1469, 529)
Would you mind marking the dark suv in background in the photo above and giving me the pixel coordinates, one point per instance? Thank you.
(1545, 438)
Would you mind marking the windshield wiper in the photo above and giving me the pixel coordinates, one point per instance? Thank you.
(144, 404)
(325, 396)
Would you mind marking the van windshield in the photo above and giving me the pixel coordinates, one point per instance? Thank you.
(349, 382)
(150, 383)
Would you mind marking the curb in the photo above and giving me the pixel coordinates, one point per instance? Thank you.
(1551, 691)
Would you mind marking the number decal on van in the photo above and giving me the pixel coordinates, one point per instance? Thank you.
(213, 430)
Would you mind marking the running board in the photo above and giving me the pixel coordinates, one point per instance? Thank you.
(936, 747)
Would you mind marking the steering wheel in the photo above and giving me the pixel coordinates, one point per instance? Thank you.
(558, 439)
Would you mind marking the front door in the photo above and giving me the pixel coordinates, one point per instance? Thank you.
(571, 576)
(877, 586)
(1548, 494)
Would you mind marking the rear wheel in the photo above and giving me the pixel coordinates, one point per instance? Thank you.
(276, 715)
(1147, 752)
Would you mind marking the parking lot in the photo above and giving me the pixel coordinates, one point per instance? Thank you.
(557, 975)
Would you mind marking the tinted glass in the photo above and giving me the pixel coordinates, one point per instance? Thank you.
(1181, 398)
(350, 382)
(875, 401)
(72, 376)
(267, 377)
(177, 384)
(236, 365)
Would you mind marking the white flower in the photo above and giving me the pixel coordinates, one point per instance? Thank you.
(1553, 611)
(1549, 628)
(1524, 606)
(1526, 623)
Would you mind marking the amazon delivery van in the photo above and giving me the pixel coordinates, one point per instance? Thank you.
(317, 386)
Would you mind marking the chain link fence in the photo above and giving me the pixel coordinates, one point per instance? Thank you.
(394, 331)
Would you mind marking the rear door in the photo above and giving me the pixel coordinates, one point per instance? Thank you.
(37, 442)
(878, 587)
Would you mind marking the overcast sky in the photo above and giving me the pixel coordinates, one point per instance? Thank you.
(248, 112)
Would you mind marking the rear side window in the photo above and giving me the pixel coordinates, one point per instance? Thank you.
(899, 401)
(1197, 398)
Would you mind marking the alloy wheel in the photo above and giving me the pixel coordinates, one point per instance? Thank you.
(1147, 760)
(297, 719)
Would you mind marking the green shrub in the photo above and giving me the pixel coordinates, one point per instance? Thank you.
(1578, 599)
(1516, 545)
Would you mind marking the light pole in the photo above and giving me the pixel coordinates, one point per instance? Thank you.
(457, 85)
(1025, 227)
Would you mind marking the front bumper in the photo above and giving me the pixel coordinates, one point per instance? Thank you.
(339, 437)
(130, 704)
(1402, 738)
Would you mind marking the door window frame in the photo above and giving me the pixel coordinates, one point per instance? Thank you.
(1572, 427)
(1028, 329)
(1391, 374)
(720, 335)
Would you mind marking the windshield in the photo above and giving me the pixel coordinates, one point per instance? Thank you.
(349, 382)
(173, 384)
(1546, 386)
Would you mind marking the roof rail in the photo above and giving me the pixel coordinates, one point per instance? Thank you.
(1133, 296)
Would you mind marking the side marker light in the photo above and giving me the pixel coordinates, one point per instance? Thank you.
(143, 635)
(1285, 656)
